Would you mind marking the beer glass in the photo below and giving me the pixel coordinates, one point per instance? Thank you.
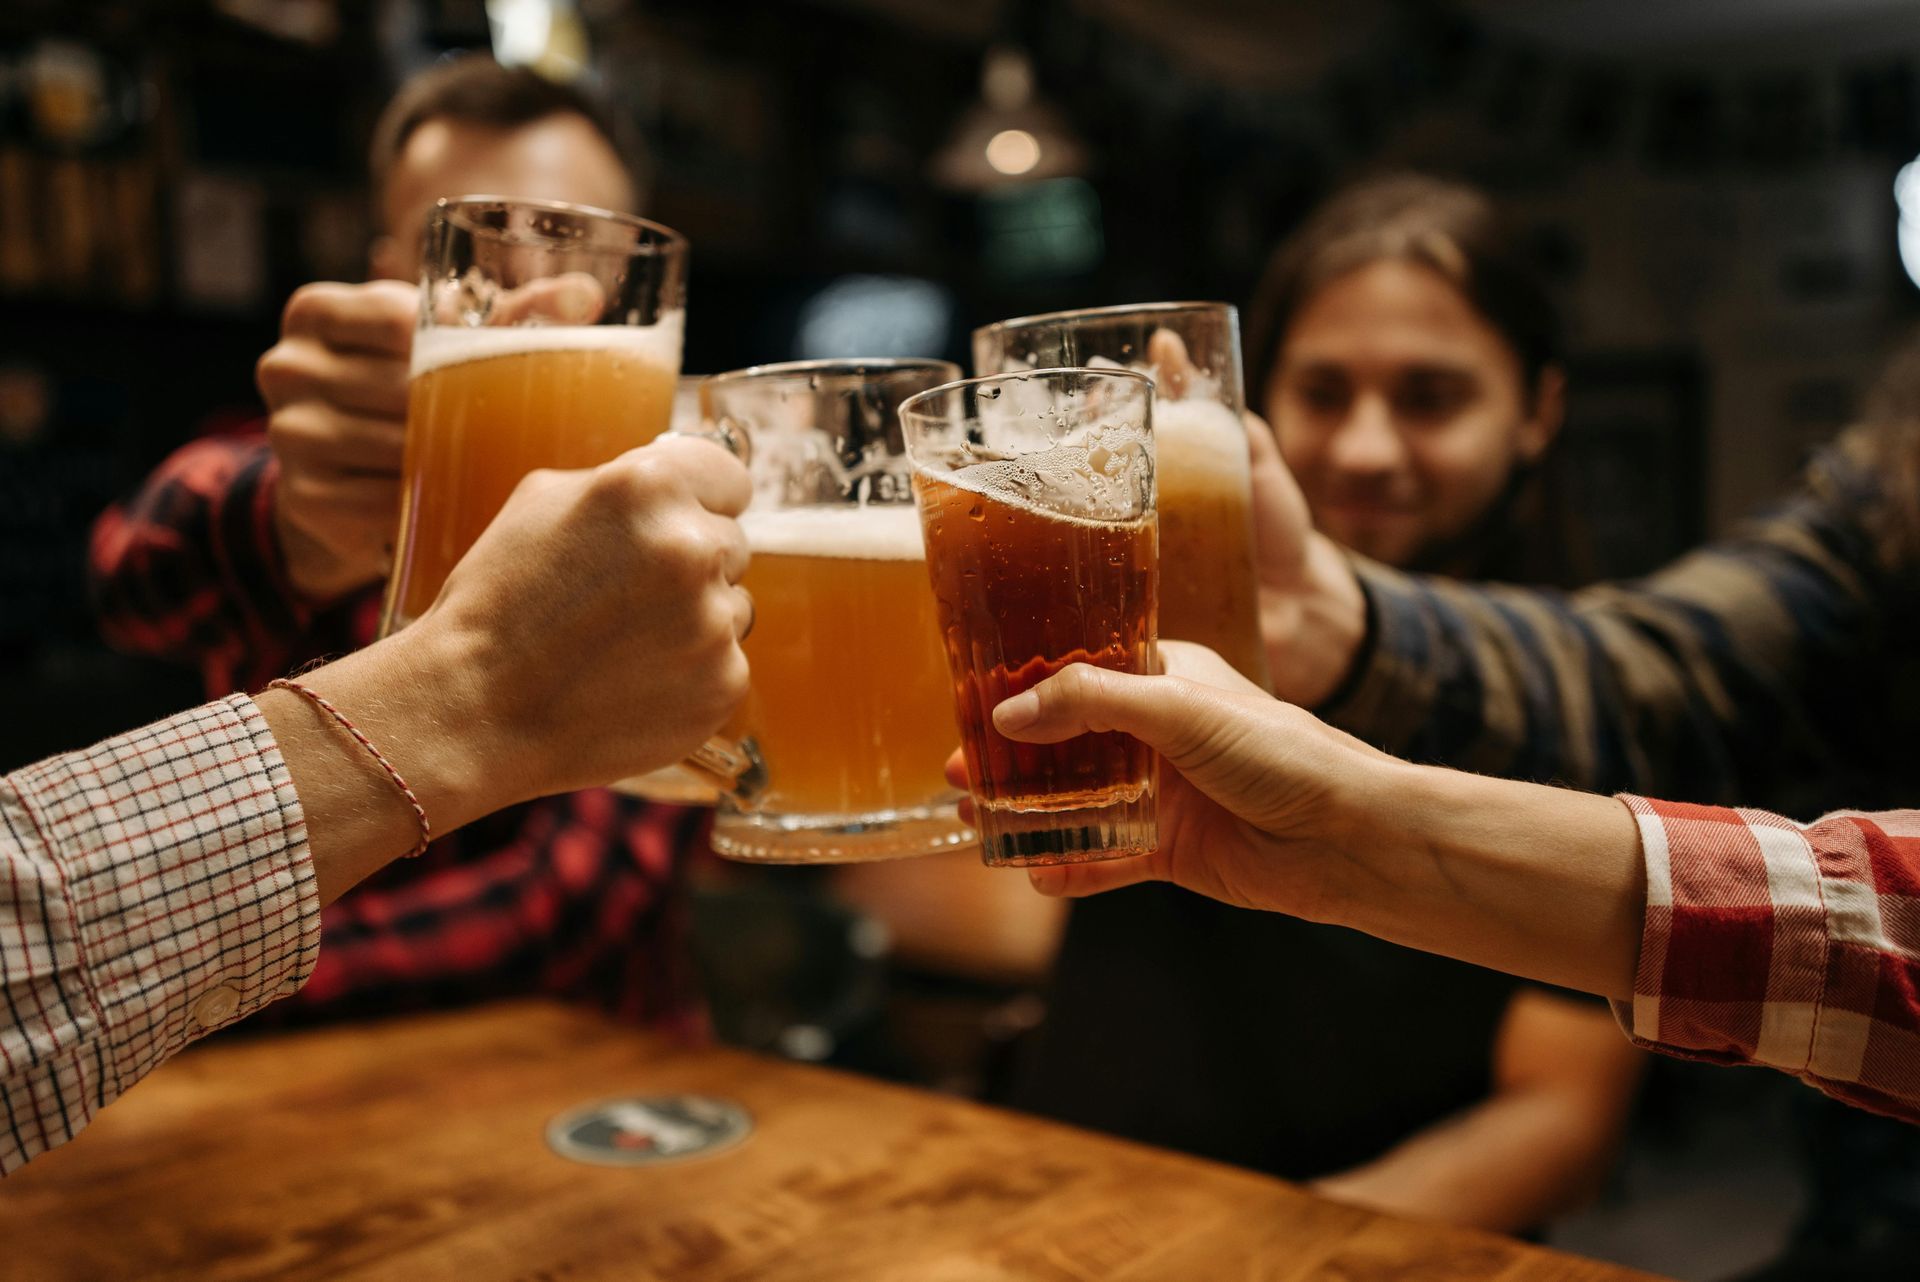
(549, 336)
(849, 712)
(1192, 351)
(1036, 496)
(679, 784)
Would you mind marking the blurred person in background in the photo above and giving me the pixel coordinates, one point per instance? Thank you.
(1772, 666)
(253, 555)
(1408, 358)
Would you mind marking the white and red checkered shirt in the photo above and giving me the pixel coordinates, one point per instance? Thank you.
(152, 888)
(1792, 945)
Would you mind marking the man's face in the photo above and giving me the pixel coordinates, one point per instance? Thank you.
(1401, 411)
(558, 157)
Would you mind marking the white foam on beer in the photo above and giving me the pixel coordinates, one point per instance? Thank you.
(443, 345)
(869, 532)
(1006, 481)
(1194, 438)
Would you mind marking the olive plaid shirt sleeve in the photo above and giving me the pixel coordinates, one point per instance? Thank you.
(1742, 670)
(1788, 945)
(152, 888)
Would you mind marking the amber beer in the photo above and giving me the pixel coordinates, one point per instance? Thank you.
(1207, 568)
(849, 703)
(1021, 594)
(1205, 483)
(489, 405)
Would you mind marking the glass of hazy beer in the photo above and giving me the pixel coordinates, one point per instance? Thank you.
(1036, 496)
(1192, 352)
(680, 784)
(849, 708)
(549, 336)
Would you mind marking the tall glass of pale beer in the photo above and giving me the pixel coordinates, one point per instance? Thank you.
(1192, 352)
(850, 712)
(1036, 497)
(549, 336)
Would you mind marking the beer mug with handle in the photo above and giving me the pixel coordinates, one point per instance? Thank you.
(1208, 589)
(549, 336)
(850, 713)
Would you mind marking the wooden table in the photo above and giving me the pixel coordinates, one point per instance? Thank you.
(414, 1150)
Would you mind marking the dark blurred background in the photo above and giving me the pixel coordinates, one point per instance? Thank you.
(1711, 183)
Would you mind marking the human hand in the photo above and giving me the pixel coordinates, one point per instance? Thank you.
(1258, 794)
(600, 611)
(590, 634)
(335, 386)
(1313, 616)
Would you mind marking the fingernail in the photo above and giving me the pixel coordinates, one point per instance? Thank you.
(1015, 713)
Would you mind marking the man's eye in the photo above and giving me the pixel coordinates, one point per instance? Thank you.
(1322, 397)
(1432, 398)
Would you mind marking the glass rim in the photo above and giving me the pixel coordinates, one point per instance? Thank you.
(665, 240)
(1110, 311)
(845, 366)
(910, 405)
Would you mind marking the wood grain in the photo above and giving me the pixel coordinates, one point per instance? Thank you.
(414, 1150)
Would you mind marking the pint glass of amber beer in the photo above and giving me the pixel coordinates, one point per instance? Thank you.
(1036, 497)
(849, 714)
(549, 336)
(1192, 352)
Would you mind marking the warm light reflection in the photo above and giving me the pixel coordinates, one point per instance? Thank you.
(1013, 152)
(1906, 191)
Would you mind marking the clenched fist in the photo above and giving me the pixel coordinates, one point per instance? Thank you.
(336, 392)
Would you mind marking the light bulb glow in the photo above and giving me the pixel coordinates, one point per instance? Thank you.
(1013, 152)
(1906, 193)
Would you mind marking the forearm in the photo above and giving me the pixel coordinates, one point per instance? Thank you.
(1315, 629)
(1539, 882)
(1507, 1164)
(419, 710)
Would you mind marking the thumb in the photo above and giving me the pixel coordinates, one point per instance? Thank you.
(1172, 368)
(1281, 520)
(1165, 713)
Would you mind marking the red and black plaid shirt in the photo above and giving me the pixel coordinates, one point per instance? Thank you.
(579, 896)
(1796, 946)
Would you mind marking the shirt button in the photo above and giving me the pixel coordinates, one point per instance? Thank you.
(216, 1006)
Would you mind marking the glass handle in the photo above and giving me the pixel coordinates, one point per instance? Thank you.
(735, 767)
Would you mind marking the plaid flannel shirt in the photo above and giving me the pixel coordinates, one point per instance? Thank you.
(1797, 947)
(152, 888)
(579, 896)
(1776, 664)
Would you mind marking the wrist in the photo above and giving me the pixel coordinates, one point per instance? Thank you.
(314, 575)
(417, 697)
(1371, 821)
(1315, 628)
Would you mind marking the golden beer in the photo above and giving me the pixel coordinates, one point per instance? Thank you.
(850, 704)
(1207, 570)
(489, 405)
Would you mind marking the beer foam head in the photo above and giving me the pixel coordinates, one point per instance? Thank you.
(847, 531)
(1102, 477)
(1196, 437)
(655, 344)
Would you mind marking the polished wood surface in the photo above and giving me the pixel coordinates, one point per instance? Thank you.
(414, 1150)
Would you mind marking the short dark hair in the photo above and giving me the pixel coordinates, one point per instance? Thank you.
(473, 89)
(1448, 227)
